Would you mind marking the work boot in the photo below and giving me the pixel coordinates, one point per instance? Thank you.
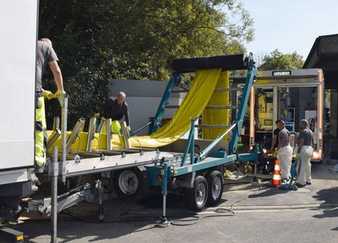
(299, 185)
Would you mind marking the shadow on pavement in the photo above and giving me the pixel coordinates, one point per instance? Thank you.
(335, 229)
(122, 217)
(329, 196)
(323, 172)
(330, 202)
(271, 191)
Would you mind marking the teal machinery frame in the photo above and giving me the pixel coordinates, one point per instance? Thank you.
(191, 162)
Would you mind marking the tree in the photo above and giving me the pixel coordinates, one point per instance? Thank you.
(278, 60)
(100, 40)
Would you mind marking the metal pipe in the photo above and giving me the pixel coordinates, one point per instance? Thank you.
(213, 126)
(140, 129)
(192, 145)
(64, 118)
(54, 171)
(101, 125)
(99, 189)
(56, 123)
(252, 118)
(164, 206)
(108, 132)
(191, 134)
(216, 141)
(251, 73)
(156, 122)
(165, 170)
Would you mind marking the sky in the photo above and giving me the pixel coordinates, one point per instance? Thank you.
(290, 25)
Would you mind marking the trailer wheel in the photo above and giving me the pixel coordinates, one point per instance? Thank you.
(197, 197)
(127, 182)
(216, 186)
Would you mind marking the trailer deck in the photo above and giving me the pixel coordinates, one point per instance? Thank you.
(104, 163)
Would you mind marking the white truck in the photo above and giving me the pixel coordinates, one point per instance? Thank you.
(18, 28)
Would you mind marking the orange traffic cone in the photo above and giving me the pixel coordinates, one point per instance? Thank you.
(276, 177)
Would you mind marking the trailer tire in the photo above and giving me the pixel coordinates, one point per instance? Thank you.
(128, 182)
(196, 198)
(216, 186)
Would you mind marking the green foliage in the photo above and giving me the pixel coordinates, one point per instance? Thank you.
(100, 40)
(278, 60)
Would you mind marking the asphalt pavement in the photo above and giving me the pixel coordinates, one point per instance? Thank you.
(248, 213)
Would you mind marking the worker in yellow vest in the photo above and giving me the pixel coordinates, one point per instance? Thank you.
(117, 110)
(46, 58)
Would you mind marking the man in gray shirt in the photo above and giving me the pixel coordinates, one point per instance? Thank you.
(284, 152)
(305, 150)
(46, 58)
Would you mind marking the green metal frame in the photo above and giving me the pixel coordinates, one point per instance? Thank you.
(191, 145)
(173, 82)
(202, 162)
(203, 165)
(251, 73)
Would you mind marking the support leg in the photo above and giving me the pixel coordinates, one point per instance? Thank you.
(100, 210)
(164, 220)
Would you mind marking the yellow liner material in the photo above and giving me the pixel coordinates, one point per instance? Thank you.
(220, 97)
(196, 100)
(192, 107)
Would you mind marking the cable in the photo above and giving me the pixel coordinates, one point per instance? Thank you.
(128, 219)
(188, 221)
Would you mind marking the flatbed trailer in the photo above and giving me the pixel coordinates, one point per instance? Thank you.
(199, 174)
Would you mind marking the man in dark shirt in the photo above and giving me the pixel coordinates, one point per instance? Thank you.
(305, 149)
(274, 144)
(45, 58)
(117, 110)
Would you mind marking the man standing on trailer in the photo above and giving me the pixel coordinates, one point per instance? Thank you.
(284, 150)
(117, 110)
(45, 58)
(305, 150)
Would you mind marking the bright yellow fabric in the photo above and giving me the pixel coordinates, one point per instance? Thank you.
(192, 107)
(196, 100)
(40, 151)
(220, 97)
(116, 127)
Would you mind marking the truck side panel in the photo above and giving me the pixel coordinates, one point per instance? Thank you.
(18, 31)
